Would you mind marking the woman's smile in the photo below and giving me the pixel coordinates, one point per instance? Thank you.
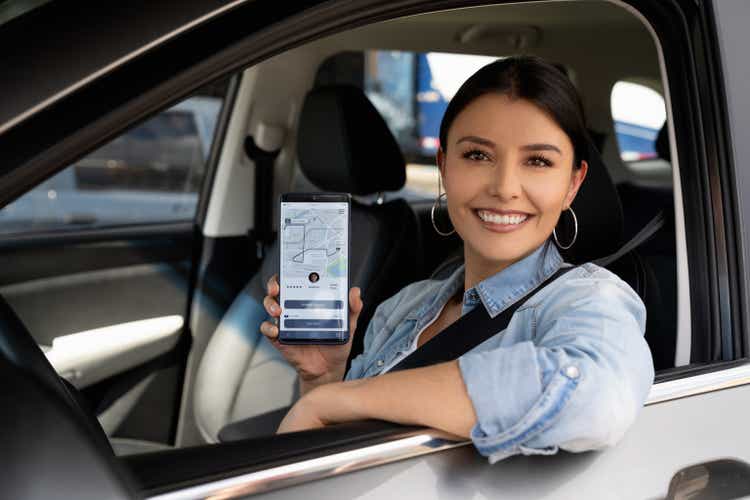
(502, 221)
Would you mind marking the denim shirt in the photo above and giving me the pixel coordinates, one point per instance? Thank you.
(571, 371)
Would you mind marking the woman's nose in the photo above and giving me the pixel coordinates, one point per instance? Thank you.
(505, 182)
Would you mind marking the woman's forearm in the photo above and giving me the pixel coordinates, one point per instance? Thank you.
(434, 396)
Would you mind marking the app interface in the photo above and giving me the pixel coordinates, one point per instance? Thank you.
(314, 270)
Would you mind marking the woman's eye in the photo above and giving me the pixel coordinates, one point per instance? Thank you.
(476, 155)
(539, 161)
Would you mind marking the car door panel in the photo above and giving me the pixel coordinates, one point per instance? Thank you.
(664, 439)
(62, 286)
(85, 358)
(107, 306)
(64, 305)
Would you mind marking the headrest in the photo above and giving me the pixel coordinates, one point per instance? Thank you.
(343, 144)
(599, 213)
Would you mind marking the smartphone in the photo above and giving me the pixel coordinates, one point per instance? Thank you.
(314, 268)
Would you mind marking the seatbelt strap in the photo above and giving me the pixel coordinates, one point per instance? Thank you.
(264, 161)
(641, 237)
(467, 332)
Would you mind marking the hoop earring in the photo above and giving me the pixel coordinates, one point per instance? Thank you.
(435, 206)
(575, 231)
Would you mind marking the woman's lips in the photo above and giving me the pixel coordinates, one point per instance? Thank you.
(502, 222)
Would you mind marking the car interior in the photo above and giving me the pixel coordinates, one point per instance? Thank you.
(616, 202)
(337, 137)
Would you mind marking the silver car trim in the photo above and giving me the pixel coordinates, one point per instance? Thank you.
(406, 445)
(113, 65)
(699, 384)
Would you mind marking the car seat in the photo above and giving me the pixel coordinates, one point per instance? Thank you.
(343, 145)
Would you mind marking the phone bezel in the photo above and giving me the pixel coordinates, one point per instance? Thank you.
(320, 198)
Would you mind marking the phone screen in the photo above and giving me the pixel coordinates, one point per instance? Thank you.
(314, 272)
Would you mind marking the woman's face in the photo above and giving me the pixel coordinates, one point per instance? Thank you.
(508, 175)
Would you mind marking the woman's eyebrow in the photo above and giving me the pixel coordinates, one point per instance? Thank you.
(541, 147)
(478, 140)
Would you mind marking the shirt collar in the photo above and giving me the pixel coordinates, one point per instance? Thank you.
(499, 290)
(447, 289)
(504, 288)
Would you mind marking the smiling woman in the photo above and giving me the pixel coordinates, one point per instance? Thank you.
(570, 369)
(512, 157)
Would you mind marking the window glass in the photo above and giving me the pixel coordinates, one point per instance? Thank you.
(639, 114)
(151, 173)
(411, 91)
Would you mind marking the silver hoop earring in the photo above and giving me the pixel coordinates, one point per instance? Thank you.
(575, 231)
(435, 206)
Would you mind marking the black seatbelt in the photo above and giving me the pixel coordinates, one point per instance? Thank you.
(467, 332)
(640, 238)
(264, 161)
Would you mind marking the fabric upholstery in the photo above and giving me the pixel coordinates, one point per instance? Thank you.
(345, 145)
(599, 214)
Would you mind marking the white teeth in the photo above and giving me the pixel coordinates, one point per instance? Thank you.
(501, 219)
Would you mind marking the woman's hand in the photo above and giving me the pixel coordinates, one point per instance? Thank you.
(315, 364)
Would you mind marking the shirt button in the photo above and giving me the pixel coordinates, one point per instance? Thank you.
(380, 362)
(572, 371)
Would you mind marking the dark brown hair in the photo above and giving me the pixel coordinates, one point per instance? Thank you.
(533, 79)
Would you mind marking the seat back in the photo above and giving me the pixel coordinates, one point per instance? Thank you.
(343, 145)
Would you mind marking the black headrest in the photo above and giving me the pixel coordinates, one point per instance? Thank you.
(599, 212)
(343, 144)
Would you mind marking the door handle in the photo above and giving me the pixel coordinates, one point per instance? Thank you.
(715, 480)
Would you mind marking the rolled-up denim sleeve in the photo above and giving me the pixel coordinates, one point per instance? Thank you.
(577, 386)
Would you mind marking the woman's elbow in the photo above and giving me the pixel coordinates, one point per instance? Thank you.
(612, 410)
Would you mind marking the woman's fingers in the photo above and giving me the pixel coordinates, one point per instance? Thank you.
(269, 331)
(271, 306)
(273, 285)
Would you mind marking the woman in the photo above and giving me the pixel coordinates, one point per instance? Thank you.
(572, 369)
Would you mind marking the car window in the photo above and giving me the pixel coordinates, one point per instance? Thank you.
(411, 90)
(150, 174)
(639, 114)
